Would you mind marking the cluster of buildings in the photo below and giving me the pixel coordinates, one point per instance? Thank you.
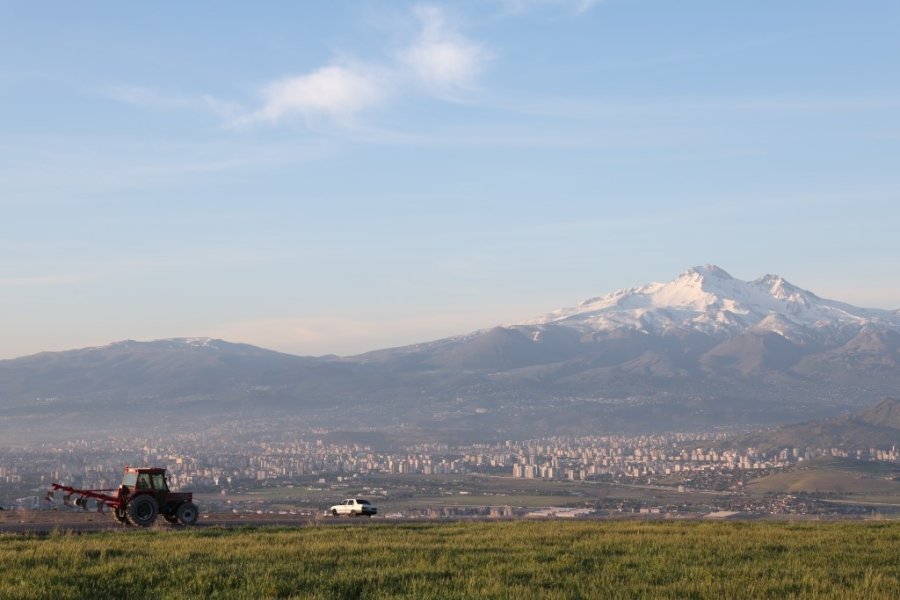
(10, 475)
(655, 457)
(235, 464)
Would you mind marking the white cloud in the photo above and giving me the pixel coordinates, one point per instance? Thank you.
(441, 58)
(337, 92)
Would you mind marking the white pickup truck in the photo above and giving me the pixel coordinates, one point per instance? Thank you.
(353, 507)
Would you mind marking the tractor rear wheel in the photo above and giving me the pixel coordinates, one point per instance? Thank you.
(187, 513)
(142, 510)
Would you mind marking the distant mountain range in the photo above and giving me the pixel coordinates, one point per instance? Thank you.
(703, 350)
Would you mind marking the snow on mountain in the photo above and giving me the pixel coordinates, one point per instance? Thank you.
(172, 343)
(709, 300)
(198, 345)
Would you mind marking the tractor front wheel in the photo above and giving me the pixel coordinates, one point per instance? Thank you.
(142, 510)
(187, 513)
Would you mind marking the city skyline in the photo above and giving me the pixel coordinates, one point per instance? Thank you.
(341, 178)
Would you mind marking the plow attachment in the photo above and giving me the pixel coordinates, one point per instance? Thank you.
(77, 498)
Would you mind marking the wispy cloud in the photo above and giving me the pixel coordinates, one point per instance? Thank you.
(336, 91)
(152, 99)
(441, 58)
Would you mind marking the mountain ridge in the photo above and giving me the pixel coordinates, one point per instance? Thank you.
(709, 299)
(704, 349)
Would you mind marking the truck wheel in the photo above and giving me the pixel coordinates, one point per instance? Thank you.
(334, 512)
(142, 510)
(187, 513)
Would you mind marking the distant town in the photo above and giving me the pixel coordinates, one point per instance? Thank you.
(676, 473)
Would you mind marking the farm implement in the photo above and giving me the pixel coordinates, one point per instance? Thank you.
(143, 496)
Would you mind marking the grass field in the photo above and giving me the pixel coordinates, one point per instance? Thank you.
(513, 559)
(843, 478)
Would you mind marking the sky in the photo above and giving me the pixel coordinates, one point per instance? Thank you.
(336, 177)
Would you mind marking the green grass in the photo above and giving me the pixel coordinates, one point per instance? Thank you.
(518, 559)
(844, 478)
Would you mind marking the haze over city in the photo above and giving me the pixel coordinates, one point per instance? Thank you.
(338, 178)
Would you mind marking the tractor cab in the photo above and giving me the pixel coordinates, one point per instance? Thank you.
(152, 479)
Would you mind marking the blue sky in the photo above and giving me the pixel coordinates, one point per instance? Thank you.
(337, 177)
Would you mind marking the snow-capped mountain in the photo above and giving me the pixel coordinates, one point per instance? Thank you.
(708, 300)
(704, 349)
(701, 329)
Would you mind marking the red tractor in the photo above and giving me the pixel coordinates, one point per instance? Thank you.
(143, 495)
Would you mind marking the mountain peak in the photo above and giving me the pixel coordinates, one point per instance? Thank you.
(707, 299)
(782, 289)
(708, 270)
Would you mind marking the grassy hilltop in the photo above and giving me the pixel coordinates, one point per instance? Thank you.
(548, 559)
